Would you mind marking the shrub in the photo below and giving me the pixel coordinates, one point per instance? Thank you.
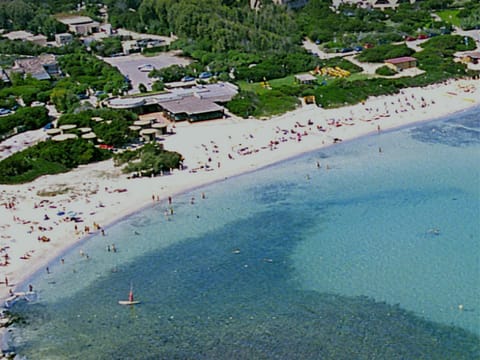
(48, 157)
(24, 119)
(383, 52)
(385, 71)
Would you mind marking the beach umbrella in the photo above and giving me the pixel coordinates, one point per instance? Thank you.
(53, 131)
(142, 123)
(63, 137)
(85, 130)
(67, 127)
(89, 135)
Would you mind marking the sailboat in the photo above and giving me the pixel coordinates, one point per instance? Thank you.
(131, 300)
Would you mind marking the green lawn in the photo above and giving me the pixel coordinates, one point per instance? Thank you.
(450, 16)
(258, 87)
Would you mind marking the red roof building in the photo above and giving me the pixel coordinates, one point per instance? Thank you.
(401, 63)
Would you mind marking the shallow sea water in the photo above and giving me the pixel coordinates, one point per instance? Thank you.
(369, 258)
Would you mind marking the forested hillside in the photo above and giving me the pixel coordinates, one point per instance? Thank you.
(218, 25)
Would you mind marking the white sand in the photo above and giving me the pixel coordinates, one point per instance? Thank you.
(95, 193)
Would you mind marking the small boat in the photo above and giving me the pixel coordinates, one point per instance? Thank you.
(131, 300)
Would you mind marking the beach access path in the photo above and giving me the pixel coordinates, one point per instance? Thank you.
(35, 228)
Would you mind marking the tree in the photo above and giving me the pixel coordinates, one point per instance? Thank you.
(64, 99)
(158, 85)
(20, 13)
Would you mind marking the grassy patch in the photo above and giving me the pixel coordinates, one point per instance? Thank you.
(450, 16)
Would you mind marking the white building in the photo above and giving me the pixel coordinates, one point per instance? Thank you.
(81, 25)
(63, 38)
(26, 36)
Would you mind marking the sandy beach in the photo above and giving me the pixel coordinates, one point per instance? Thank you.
(36, 227)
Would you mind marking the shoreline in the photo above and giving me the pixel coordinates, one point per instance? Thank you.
(99, 194)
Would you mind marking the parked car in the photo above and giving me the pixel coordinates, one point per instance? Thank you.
(188, 78)
(410, 38)
(5, 111)
(422, 37)
(146, 67)
(346, 50)
(205, 75)
(358, 48)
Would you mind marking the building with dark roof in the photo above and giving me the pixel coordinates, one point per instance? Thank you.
(192, 104)
(192, 109)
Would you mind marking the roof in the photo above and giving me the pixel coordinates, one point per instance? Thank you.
(473, 54)
(400, 60)
(75, 20)
(67, 35)
(18, 35)
(35, 66)
(305, 77)
(219, 92)
(32, 66)
(46, 59)
(63, 137)
(190, 105)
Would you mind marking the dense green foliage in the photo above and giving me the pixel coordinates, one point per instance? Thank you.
(28, 15)
(107, 47)
(469, 15)
(28, 89)
(149, 160)
(319, 22)
(383, 52)
(437, 56)
(24, 119)
(113, 130)
(98, 75)
(265, 104)
(48, 157)
(211, 25)
(385, 71)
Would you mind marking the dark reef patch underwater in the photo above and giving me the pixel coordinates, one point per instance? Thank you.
(236, 304)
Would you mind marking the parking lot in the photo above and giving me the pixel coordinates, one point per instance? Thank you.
(129, 66)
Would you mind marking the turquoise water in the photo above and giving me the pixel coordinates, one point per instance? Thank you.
(372, 255)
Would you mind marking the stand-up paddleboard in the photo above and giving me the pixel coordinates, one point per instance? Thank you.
(131, 300)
